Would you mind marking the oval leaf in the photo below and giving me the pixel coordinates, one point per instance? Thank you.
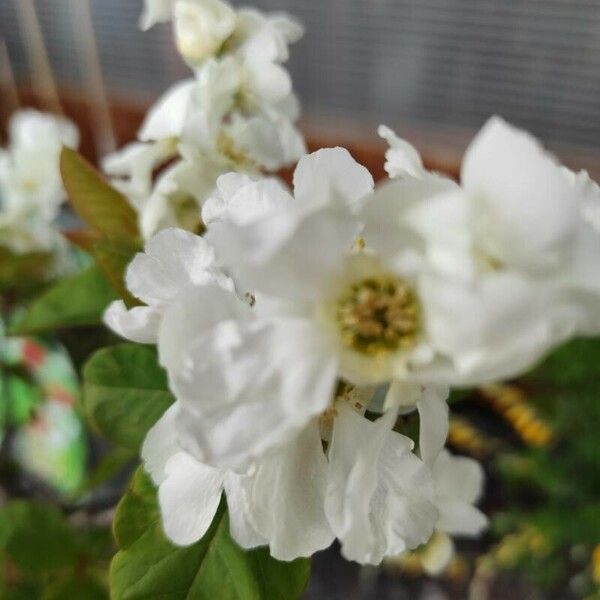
(100, 205)
(77, 300)
(148, 565)
(125, 392)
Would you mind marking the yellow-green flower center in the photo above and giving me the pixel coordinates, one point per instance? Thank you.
(379, 315)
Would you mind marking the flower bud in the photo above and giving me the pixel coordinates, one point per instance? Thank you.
(201, 27)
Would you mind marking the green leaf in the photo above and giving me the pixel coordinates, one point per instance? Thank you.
(77, 300)
(148, 565)
(99, 204)
(79, 588)
(22, 271)
(112, 463)
(125, 392)
(23, 398)
(36, 536)
(113, 258)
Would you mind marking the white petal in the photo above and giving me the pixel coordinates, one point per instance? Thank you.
(251, 386)
(244, 200)
(402, 158)
(402, 395)
(331, 175)
(266, 38)
(438, 553)
(139, 324)
(190, 317)
(156, 11)
(167, 118)
(242, 523)
(403, 506)
(523, 202)
(433, 422)
(494, 328)
(415, 219)
(461, 518)
(189, 497)
(210, 100)
(270, 82)
(172, 261)
(353, 456)
(201, 27)
(287, 254)
(136, 163)
(287, 497)
(160, 445)
(458, 477)
(269, 141)
(379, 499)
(30, 129)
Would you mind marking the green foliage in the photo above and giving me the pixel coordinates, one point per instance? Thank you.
(114, 235)
(21, 398)
(215, 567)
(42, 556)
(36, 537)
(125, 392)
(22, 271)
(74, 587)
(99, 204)
(77, 300)
(553, 492)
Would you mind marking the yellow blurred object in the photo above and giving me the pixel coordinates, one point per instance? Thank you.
(511, 403)
(515, 546)
(462, 435)
(596, 564)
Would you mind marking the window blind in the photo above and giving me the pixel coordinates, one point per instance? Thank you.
(444, 63)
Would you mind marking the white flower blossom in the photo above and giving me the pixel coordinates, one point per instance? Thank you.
(402, 158)
(380, 495)
(173, 264)
(237, 113)
(512, 250)
(31, 189)
(279, 503)
(201, 27)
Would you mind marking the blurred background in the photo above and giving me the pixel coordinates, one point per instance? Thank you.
(434, 70)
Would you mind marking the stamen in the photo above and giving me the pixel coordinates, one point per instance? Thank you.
(379, 315)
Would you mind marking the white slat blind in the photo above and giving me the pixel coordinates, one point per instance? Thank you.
(440, 62)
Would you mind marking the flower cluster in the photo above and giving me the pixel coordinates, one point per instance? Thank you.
(303, 322)
(31, 189)
(237, 113)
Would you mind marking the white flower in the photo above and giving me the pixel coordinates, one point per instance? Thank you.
(201, 27)
(255, 198)
(368, 488)
(29, 168)
(458, 484)
(271, 143)
(279, 503)
(380, 495)
(31, 189)
(511, 252)
(278, 366)
(269, 35)
(174, 262)
(156, 11)
(402, 158)
(190, 492)
(132, 168)
(167, 118)
(178, 194)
